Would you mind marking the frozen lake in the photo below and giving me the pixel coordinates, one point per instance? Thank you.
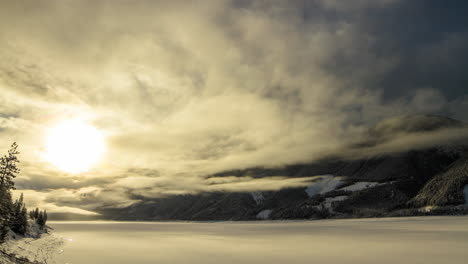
(391, 240)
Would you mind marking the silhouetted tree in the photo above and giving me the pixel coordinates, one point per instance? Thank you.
(8, 171)
(3, 232)
(6, 207)
(14, 216)
(19, 219)
(40, 220)
(8, 167)
(31, 214)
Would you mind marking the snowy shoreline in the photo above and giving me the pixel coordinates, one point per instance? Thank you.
(36, 247)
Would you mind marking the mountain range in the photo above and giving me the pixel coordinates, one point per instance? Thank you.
(372, 179)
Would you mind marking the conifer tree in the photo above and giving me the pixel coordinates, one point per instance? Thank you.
(31, 214)
(23, 220)
(14, 216)
(6, 209)
(40, 220)
(9, 168)
(19, 220)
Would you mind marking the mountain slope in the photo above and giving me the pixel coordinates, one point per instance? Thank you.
(446, 188)
(373, 185)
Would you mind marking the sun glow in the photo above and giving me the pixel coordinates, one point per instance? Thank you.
(74, 146)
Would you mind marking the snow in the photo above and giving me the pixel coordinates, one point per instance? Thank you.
(465, 192)
(258, 197)
(426, 209)
(36, 245)
(34, 230)
(329, 201)
(358, 186)
(264, 215)
(42, 250)
(324, 184)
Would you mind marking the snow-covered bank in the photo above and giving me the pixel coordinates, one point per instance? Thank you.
(38, 245)
(30, 250)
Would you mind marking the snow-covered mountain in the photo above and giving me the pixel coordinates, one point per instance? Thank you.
(431, 178)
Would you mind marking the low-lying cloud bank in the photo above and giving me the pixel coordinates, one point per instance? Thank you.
(184, 90)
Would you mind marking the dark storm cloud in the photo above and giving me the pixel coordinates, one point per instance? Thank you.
(429, 38)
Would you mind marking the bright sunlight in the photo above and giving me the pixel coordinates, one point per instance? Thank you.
(74, 146)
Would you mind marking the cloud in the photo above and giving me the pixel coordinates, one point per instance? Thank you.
(356, 5)
(163, 186)
(401, 142)
(184, 90)
(35, 199)
(87, 197)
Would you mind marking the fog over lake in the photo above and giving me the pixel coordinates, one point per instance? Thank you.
(391, 240)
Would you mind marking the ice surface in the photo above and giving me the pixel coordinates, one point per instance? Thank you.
(427, 240)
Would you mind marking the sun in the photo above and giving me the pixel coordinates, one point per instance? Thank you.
(74, 146)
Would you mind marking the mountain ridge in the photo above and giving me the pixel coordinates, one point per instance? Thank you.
(399, 183)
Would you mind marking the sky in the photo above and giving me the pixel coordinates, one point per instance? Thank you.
(185, 89)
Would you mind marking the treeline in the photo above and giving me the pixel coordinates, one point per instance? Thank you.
(14, 215)
(38, 216)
